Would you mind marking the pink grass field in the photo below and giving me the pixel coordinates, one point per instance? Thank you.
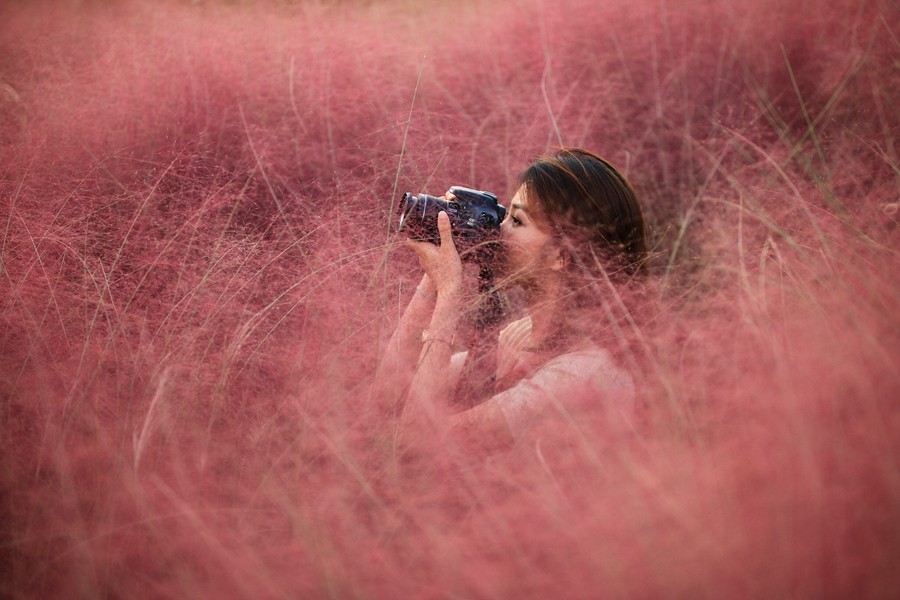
(197, 277)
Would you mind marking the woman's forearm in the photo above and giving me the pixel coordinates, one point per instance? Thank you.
(401, 355)
(430, 389)
(429, 392)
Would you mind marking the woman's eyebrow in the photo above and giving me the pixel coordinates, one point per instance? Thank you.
(518, 206)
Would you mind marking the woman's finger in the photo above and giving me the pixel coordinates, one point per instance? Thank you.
(444, 228)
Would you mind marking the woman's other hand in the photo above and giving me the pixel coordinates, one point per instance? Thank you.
(441, 263)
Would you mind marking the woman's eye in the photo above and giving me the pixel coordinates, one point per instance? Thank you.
(516, 221)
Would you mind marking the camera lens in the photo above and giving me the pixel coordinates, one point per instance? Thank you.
(418, 216)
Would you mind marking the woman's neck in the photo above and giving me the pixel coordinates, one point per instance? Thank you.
(547, 316)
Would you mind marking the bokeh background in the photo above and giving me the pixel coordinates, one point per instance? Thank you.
(198, 275)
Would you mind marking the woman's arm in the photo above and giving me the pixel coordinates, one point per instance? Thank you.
(427, 406)
(482, 429)
(426, 414)
(402, 353)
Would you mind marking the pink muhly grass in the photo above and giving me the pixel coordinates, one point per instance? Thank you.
(198, 277)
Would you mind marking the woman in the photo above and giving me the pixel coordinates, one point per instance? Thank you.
(573, 234)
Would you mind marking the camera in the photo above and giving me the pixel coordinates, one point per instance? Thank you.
(475, 218)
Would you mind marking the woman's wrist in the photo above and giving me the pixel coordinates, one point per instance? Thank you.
(445, 318)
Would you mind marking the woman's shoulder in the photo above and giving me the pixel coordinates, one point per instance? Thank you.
(582, 363)
(592, 363)
(587, 376)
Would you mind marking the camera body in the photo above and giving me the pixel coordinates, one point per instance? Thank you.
(475, 218)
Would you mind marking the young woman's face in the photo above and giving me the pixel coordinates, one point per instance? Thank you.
(526, 240)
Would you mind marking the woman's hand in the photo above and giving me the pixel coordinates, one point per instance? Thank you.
(441, 263)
